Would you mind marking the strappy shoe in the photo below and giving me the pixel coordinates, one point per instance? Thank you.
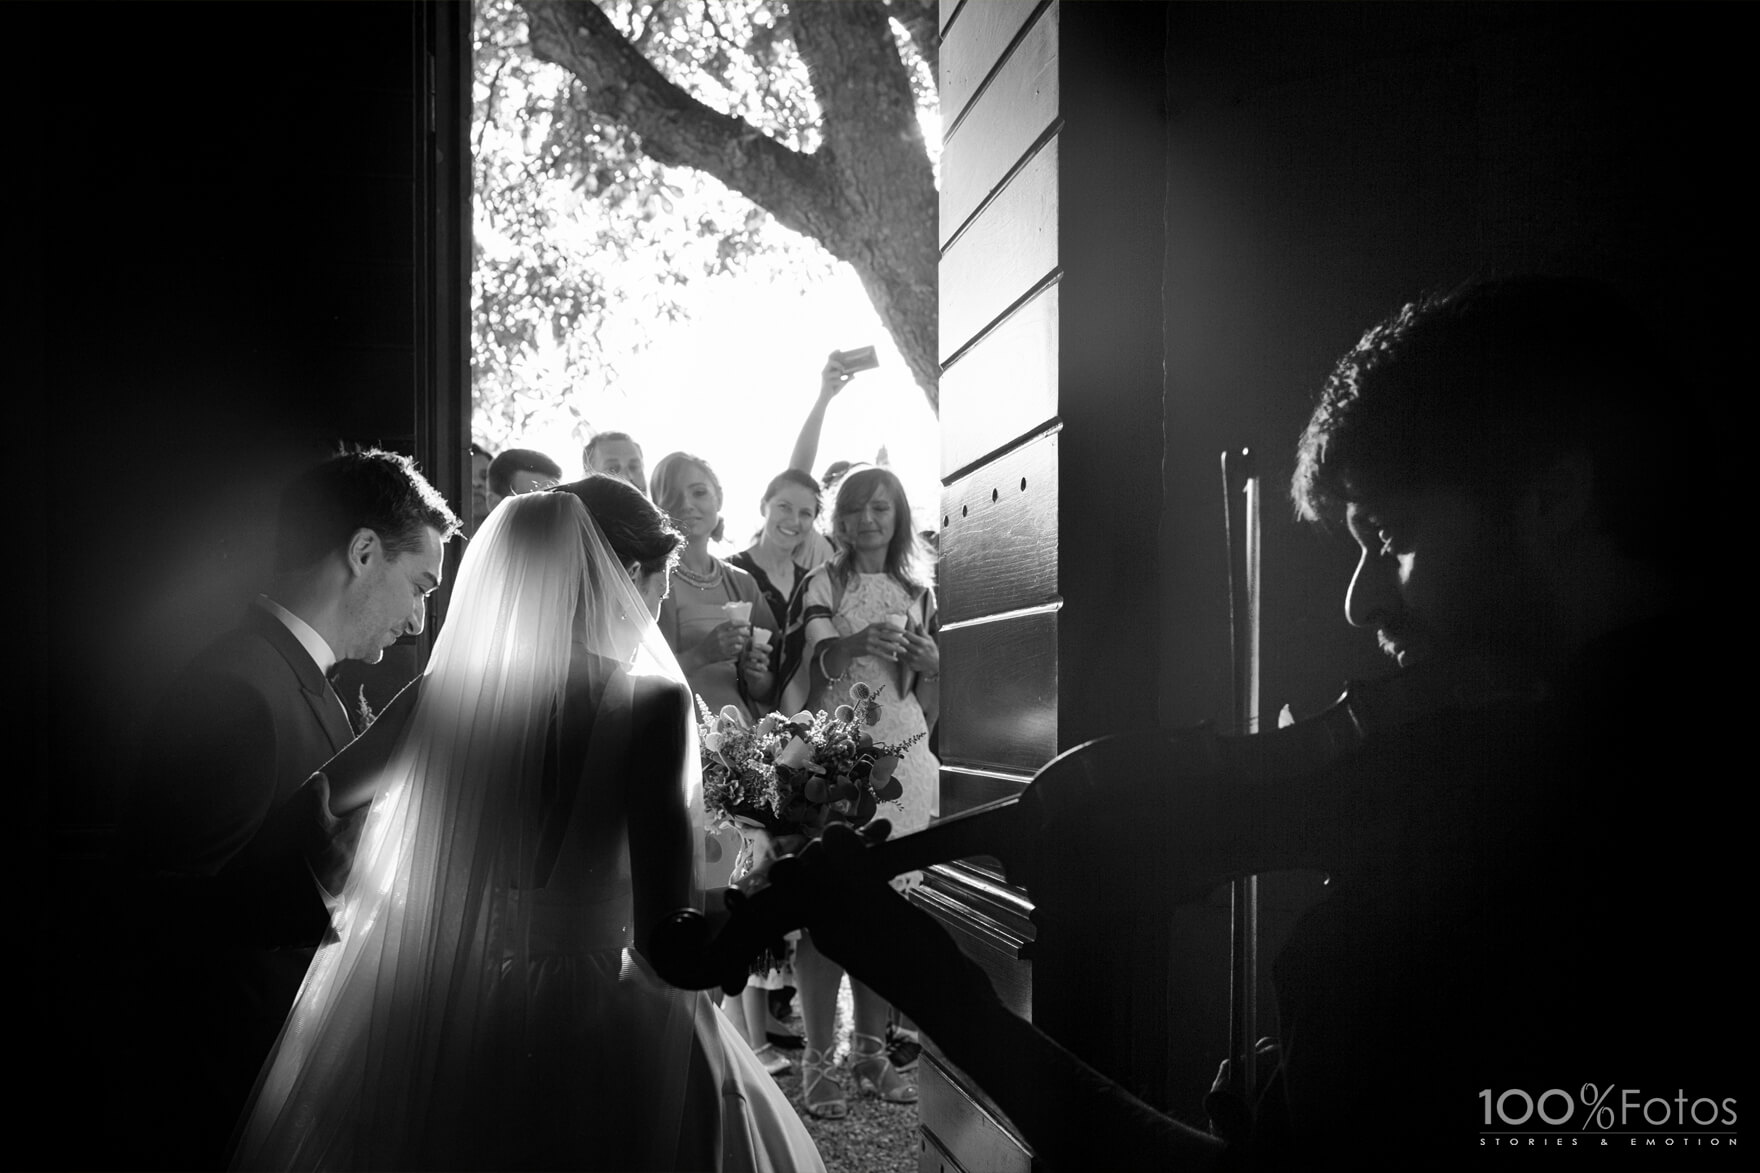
(874, 1071)
(772, 1060)
(833, 1106)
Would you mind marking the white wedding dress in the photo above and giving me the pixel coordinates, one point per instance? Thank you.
(483, 1006)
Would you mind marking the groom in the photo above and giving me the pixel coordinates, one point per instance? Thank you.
(227, 902)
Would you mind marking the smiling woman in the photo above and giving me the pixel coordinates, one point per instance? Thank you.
(787, 548)
(713, 609)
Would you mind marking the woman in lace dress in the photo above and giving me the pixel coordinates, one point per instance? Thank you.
(870, 616)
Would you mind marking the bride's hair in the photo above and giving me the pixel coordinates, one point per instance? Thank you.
(637, 529)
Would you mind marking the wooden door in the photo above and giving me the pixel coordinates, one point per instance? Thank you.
(1050, 329)
(243, 242)
(1117, 309)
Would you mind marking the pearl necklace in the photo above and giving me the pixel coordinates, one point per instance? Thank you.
(701, 582)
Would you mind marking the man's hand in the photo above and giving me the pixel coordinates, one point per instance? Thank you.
(857, 920)
(330, 840)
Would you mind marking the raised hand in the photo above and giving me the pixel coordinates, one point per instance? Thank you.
(834, 376)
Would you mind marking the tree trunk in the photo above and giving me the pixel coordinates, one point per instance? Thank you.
(867, 194)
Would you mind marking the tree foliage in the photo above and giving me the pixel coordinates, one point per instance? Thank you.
(680, 139)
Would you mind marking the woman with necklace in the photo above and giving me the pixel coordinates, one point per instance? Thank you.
(778, 560)
(723, 664)
(722, 661)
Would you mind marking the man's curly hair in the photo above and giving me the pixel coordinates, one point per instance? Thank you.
(1478, 388)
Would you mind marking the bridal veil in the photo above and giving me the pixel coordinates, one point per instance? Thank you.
(423, 1036)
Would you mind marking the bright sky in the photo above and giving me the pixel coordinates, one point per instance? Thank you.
(734, 384)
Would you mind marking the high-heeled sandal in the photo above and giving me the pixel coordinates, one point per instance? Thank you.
(813, 1068)
(875, 1073)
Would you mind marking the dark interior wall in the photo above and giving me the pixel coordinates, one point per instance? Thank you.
(221, 252)
(1325, 164)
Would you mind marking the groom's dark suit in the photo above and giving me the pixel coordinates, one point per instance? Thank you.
(226, 907)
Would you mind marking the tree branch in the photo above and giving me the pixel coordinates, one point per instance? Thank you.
(621, 85)
(867, 194)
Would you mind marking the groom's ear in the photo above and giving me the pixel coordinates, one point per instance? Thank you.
(363, 546)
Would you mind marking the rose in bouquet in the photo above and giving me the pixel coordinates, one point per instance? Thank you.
(798, 775)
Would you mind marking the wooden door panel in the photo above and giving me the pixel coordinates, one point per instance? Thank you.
(945, 13)
(1003, 387)
(1008, 250)
(959, 1134)
(999, 535)
(971, 49)
(999, 692)
(966, 787)
(1018, 105)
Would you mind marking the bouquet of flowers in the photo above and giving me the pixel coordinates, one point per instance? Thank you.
(798, 775)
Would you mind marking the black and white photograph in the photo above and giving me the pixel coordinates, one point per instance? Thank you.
(879, 586)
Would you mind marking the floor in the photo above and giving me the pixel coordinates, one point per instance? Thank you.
(876, 1137)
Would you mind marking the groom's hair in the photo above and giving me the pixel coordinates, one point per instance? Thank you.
(371, 489)
(637, 529)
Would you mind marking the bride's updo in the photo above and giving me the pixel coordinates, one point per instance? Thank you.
(637, 529)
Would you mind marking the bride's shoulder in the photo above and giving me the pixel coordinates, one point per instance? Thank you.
(658, 701)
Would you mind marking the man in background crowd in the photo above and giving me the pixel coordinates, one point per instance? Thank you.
(616, 454)
(483, 498)
(522, 470)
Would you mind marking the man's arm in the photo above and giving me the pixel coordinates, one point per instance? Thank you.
(206, 778)
(354, 773)
(1073, 1116)
(193, 838)
(660, 847)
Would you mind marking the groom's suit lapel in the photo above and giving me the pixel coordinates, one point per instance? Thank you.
(316, 692)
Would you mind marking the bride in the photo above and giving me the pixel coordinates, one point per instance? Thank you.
(533, 812)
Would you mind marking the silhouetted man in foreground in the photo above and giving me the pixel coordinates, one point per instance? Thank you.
(1535, 892)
